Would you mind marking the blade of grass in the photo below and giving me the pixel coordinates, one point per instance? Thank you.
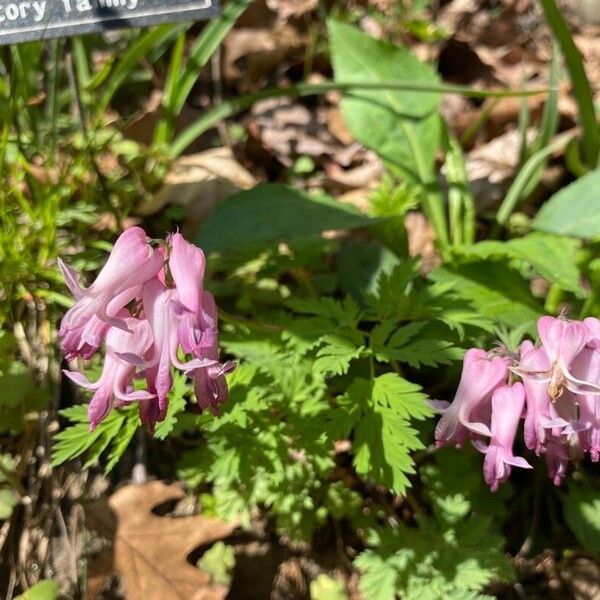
(136, 51)
(80, 60)
(548, 123)
(581, 86)
(167, 120)
(201, 51)
(234, 105)
(515, 192)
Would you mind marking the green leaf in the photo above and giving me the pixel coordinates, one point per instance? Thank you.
(360, 265)
(114, 433)
(335, 356)
(272, 212)
(403, 396)
(581, 507)
(177, 401)
(553, 257)
(492, 289)
(182, 80)
(219, 562)
(136, 51)
(8, 500)
(574, 210)
(326, 588)
(403, 127)
(378, 581)
(42, 590)
(383, 438)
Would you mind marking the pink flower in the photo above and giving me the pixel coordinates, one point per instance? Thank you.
(557, 461)
(187, 263)
(469, 413)
(167, 320)
(540, 412)
(507, 407)
(131, 263)
(562, 341)
(164, 313)
(116, 381)
(209, 383)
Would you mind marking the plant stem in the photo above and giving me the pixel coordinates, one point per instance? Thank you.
(581, 86)
(235, 105)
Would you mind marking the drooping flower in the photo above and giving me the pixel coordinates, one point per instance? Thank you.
(164, 313)
(469, 413)
(131, 263)
(116, 381)
(209, 382)
(167, 320)
(507, 407)
(559, 399)
(562, 341)
(541, 415)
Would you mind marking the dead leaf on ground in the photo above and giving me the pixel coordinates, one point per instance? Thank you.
(491, 167)
(200, 182)
(582, 577)
(149, 551)
(421, 241)
(294, 9)
(250, 54)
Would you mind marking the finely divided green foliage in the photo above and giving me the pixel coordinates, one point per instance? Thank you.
(112, 436)
(452, 551)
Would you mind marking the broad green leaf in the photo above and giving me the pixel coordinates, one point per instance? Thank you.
(42, 590)
(574, 210)
(581, 507)
(403, 127)
(272, 212)
(492, 289)
(553, 257)
(361, 264)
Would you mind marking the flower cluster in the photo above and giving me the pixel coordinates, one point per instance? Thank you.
(558, 396)
(146, 304)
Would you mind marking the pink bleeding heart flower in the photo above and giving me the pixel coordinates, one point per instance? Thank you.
(469, 413)
(187, 264)
(210, 385)
(584, 412)
(562, 341)
(85, 340)
(541, 414)
(557, 461)
(116, 381)
(131, 262)
(164, 312)
(507, 407)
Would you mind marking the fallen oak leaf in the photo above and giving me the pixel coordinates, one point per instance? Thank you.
(150, 552)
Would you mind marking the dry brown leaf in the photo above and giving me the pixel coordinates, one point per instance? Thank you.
(150, 552)
(200, 182)
(491, 167)
(253, 53)
(288, 130)
(294, 9)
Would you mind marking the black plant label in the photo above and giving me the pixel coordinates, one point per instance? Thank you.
(25, 20)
